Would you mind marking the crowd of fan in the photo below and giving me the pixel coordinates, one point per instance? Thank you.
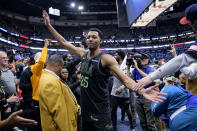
(156, 53)
(112, 32)
(20, 75)
(70, 74)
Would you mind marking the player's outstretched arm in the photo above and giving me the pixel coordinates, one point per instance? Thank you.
(151, 93)
(73, 50)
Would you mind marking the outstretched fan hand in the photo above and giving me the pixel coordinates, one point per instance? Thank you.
(15, 120)
(153, 95)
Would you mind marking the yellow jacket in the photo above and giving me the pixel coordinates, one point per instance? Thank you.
(191, 85)
(58, 106)
(36, 70)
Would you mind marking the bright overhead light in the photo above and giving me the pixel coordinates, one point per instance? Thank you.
(80, 7)
(72, 4)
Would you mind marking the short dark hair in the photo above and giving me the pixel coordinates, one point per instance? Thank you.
(65, 56)
(156, 62)
(31, 61)
(100, 33)
(55, 59)
(146, 56)
(121, 53)
(10, 52)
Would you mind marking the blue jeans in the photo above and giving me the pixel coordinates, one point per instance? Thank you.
(185, 121)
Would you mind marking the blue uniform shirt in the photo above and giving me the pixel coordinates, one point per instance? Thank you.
(175, 99)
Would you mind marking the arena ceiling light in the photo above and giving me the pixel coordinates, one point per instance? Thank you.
(80, 7)
(72, 5)
(153, 11)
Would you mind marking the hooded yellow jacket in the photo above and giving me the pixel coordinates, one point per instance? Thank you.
(191, 85)
(36, 70)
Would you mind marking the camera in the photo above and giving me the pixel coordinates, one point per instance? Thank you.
(137, 56)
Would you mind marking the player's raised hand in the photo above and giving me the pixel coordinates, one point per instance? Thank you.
(46, 17)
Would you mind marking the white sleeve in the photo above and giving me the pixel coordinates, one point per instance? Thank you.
(173, 66)
(191, 71)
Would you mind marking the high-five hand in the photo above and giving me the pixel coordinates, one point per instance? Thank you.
(142, 83)
(153, 95)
